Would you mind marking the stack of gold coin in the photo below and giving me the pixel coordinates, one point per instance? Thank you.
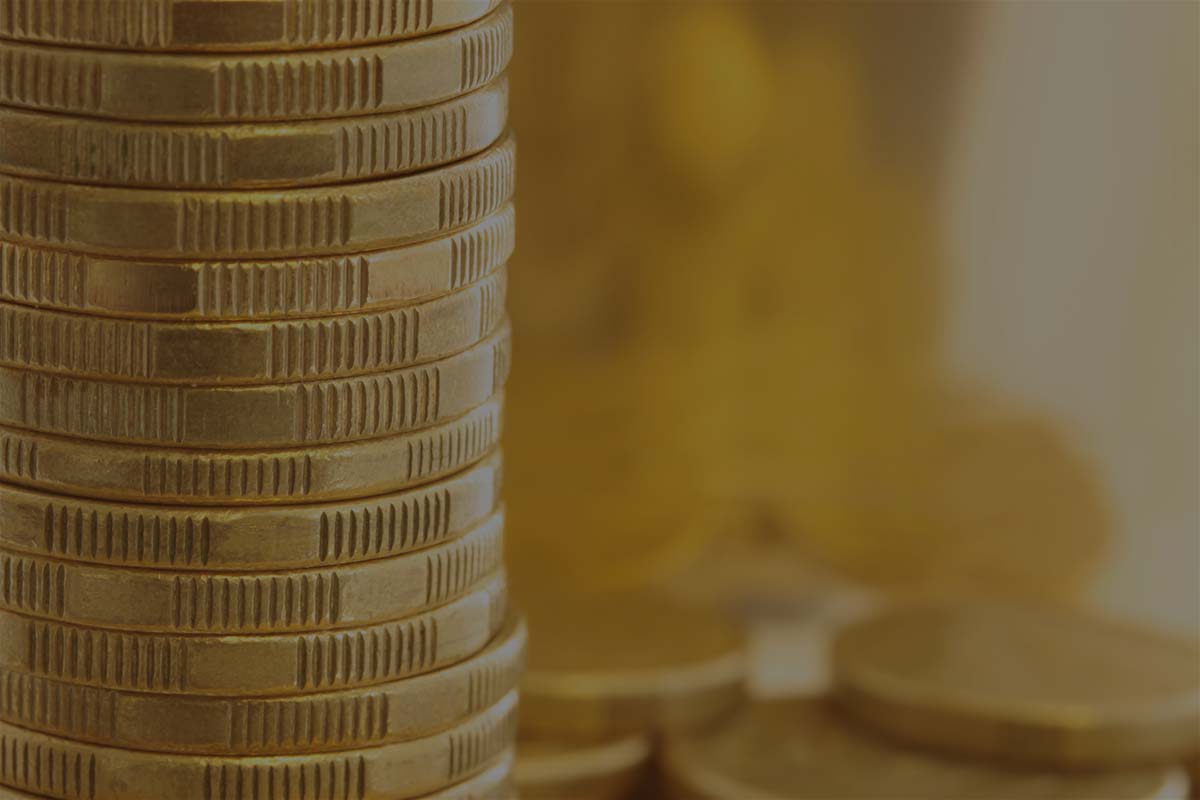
(252, 355)
(609, 673)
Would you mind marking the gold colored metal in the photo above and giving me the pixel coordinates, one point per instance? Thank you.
(227, 290)
(248, 87)
(206, 477)
(390, 712)
(194, 224)
(495, 783)
(260, 602)
(553, 769)
(69, 770)
(231, 25)
(249, 666)
(248, 537)
(251, 352)
(241, 156)
(273, 415)
(1037, 685)
(605, 664)
(804, 750)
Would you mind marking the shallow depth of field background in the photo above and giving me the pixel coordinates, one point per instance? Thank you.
(882, 295)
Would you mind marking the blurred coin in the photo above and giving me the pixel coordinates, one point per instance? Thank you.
(227, 290)
(301, 153)
(342, 720)
(207, 477)
(318, 220)
(214, 87)
(302, 349)
(409, 769)
(272, 415)
(798, 749)
(601, 664)
(180, 25)
(249, 666)
(248, 537)
(1038, 685)
(552, 768)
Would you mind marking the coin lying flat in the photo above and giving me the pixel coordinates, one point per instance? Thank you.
(69, 770)
(609, 663)
(247, 666)
(159, 223)
(261, 602)
(798, 749)
(1038, 685)
(206, 477)
(227, 25)
(494, 783)
(251, 352)
(227, 290)
(273, 415)
(240, 156)
(548, 768)
(226, 87)
(248, 537)
(342, 720)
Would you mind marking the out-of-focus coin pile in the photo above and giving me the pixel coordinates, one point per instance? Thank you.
(253, 347)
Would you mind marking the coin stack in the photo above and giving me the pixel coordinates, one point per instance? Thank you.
(252, 355)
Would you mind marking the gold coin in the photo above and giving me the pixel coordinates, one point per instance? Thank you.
(229, 25)
(223, 290)
(344, 82)
(272, 415)
(205, 477)
(395, 711)
(258, 602)
(248, 537)
(601, 664)
(549, 768)
(322, 220)
(1039, 685)
(494, 783)
(251, 352)
(300, 153)
(797, 749)
(69, 770)
(242, 666)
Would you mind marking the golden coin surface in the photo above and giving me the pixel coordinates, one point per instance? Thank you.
(1039, 685)
(69, 770)
(308, 84)
(345, 596)
(601, 664)
(206, 477)
(273, 415)
(230, 25)
(805, 750)
(549, 768)
(494, 783)
(396, 711)
(251, 352)
(159, 223)
(225, 290)
(300, 153)
(241, 666)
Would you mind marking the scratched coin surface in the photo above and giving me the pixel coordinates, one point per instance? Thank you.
(1042, 685)
(345, 82)
(553, 768)
(246, 224)
(282, 351)
(231, 25)
(341, 720)
(254, 665)
(805, 750)
(68, 770)
(213, 538)
(260, 602)
(272, 415)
